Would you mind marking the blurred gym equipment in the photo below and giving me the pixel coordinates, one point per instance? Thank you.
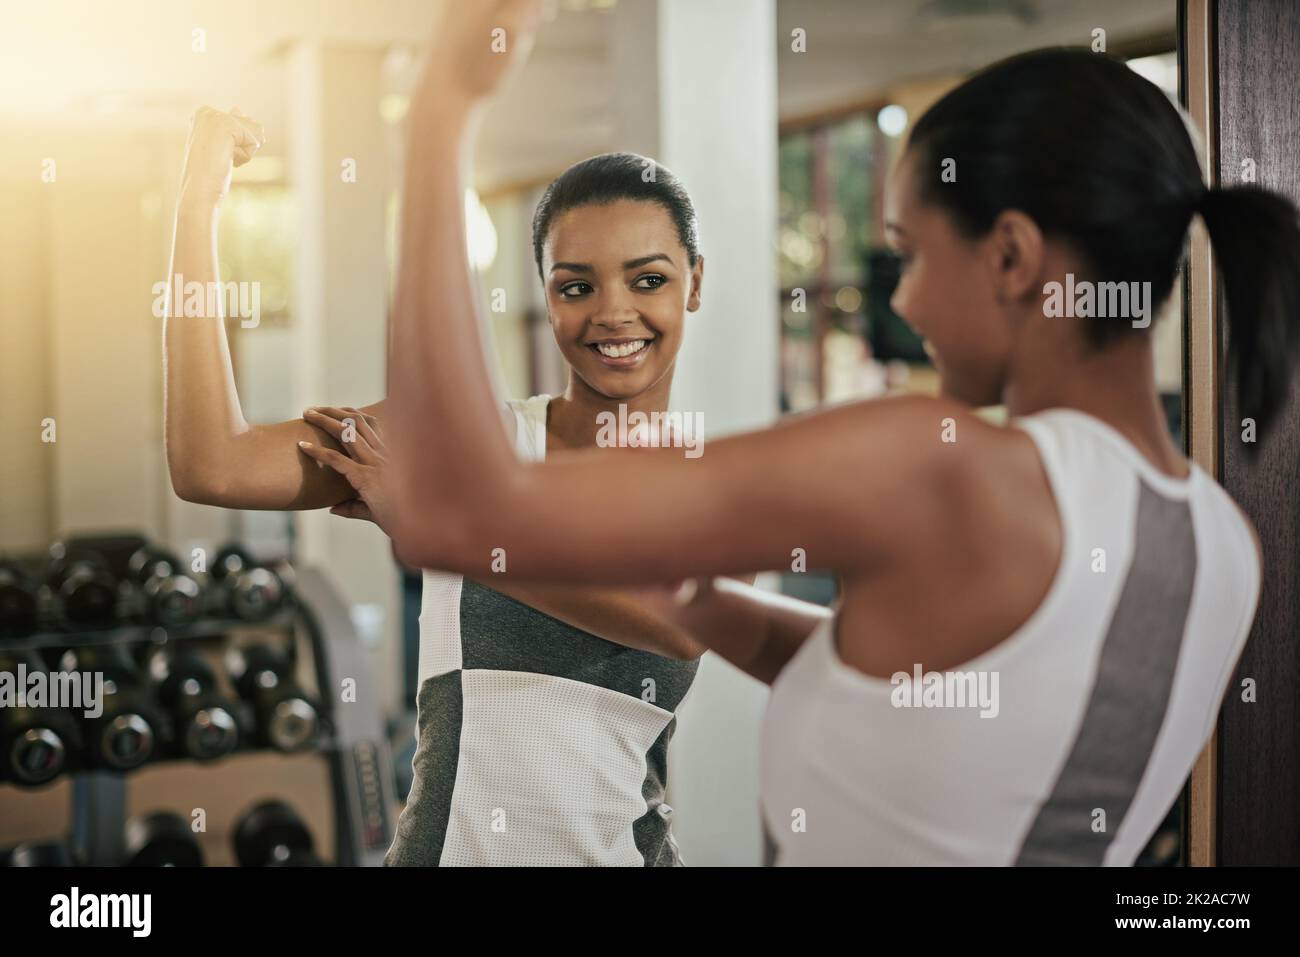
(286, 719)
(253, 592)
(171, 596)
(120, 607)
(86, 589)
(272, 834)
(127, 732)
(161, 839)
(42, 854)
(17, 601)
(35, 742)
(203, 720)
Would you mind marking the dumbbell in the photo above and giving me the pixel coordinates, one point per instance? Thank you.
(35, 742)
(286, 718)
(252, 592)
(17, 601)
(126, 733)
(203, 718)
(172, 596)
(42, 854)
(161, 839)
(86, 589)
(271, 834)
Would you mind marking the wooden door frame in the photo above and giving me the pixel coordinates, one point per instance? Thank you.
(1198, 88)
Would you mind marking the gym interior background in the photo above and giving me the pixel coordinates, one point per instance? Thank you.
(783, 148)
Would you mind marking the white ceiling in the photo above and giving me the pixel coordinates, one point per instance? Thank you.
(864, 46)
(130, 63)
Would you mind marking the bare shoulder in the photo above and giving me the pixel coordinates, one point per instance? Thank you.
(908, 432)
(915, 458)
(941, 446)
(979, 526)
(923, 468)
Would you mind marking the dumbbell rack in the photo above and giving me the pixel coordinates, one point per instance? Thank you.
(351, 736)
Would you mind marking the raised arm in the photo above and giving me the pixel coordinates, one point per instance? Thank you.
(842, 486)
(214, 455)
(636, 618)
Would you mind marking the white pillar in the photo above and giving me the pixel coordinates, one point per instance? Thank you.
(715, 125)
(340, 306)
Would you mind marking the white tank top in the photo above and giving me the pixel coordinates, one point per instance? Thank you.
(1104, 697)
(536, 743)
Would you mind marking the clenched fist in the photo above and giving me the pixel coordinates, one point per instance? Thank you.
(475, 45)
(218, 143)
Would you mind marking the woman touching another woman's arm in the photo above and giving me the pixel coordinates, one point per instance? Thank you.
(754, 630)
(214, 455)
(616, 518)
(965, 550)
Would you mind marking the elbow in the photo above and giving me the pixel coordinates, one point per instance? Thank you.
(434, 530)
(434, 539)
(186, 480)
(683, 648)
(194, 485)
(189, 490)
(410, 549)
(185, 485)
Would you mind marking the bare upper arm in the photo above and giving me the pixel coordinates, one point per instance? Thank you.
(839, 487)
(262, 468)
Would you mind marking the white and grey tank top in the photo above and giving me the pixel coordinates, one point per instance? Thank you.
(1104, 697)
(536, 743)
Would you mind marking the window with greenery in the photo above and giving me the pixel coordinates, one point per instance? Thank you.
(829, 238)
(839, 337)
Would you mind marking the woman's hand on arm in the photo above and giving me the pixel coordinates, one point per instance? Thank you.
(357, 455)
(843, 487)
(617, 615)
(214, 456)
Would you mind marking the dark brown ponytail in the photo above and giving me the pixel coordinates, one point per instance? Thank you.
(1256, 238)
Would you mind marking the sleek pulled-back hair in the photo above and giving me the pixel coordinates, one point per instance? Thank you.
(1101, 159)
(609, 178)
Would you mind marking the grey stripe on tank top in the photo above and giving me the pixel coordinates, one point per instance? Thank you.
(1130, 694)
(501, 634)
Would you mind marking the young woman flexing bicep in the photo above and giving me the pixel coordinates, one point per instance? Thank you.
(214, 455)
(605, 518)
(332, 457)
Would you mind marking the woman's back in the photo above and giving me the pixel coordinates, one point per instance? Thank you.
(1076, 733)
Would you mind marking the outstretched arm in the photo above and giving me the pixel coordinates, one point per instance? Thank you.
(757, 631)
(635, 618)
(215, 456)
(844, 486)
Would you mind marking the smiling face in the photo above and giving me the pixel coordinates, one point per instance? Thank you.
(949, 291)
(618, 285)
